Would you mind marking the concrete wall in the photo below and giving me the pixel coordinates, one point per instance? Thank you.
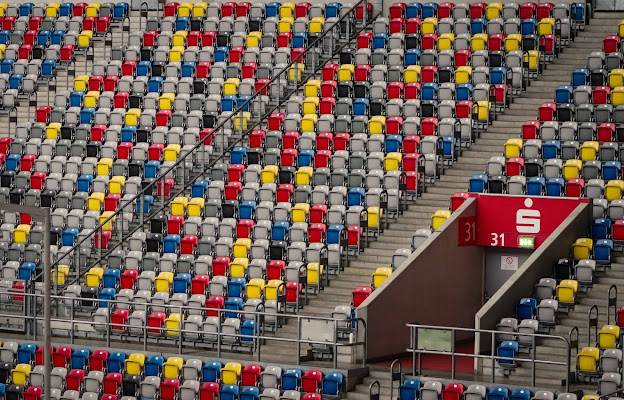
(495, 276)
(539, 265)
(439, 284)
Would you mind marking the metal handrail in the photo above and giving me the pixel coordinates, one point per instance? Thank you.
(257, 337)
(592, 322)
(219, 126)
(395, 376)
(612, 303)
(493, 357)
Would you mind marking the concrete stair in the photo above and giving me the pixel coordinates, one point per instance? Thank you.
(473, 160)
(555, 349)
(380, 251)
(62, 81)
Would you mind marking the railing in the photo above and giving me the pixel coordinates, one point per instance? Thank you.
(199, 149)
(340, 333)
(612, 302)
(592, 322)
(417, 352)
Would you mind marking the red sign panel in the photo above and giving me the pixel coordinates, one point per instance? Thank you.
(502, 220)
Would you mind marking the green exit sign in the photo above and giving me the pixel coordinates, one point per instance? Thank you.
(526, 242)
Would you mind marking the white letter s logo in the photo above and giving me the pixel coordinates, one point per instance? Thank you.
(528, 221)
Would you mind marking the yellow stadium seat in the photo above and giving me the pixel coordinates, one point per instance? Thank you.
(285, 24)
(196, 207)
(483, 108)
(608, 337)
(587, 359)
(308, 122)
(412, 73)
(199, 9)
(380, 275)
(429, 25)
(52, 9)
(80, 82)
(295, 72)
(132, 116)
(621, 28)
(103, 217)
(613, 190)
(95, 201)
(165, 101)
(179, 38)
(253, 39)
(272, 288)
(310, 105)
(230, 86)
(230, 373)
(53, 129)
(316, 25)
(104, 166)
(392, 161)
(463, 74)
(513, 148)
(163, 281)
(589, 150)
(532, 57)
(2, 49)
(590, 397)
(300, 212)
(176, 53)
(287, 10)
(546, 26)
(91, 98)
(246, 119)
(269, 173)
(582, 248)
(179, 205)
(134, 364)
(438, 218)
(3, 8)
(566, 291)
(616, 78)
(172, 152)
(20, 234)
(375, 215)
(315, 273)
(445, 41)
(19, 374)
(240, 248)
(254, 288)
(345, 72)
(116, 184)
(303, 175)
(377, 125)
(512, 42)
(172, 367)
(493, 10)
(617, 96)
(172, 323)
(572, 169)
(59, 274)
(84, 38)
(238, 267)
(479, 41)
(93, 10)
(93, 277)
(312, 88)
(185, 9)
